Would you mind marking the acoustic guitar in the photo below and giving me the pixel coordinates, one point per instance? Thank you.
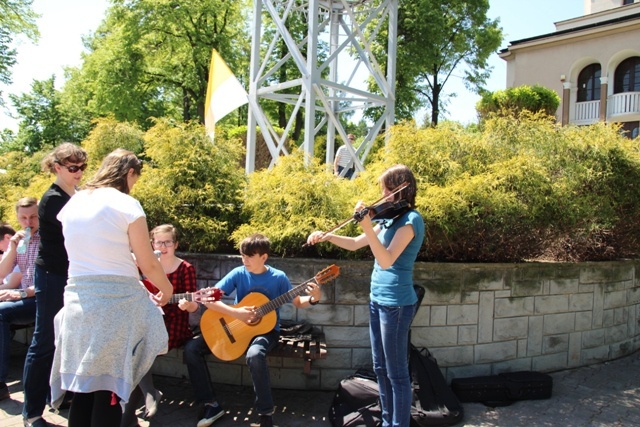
(228, 337)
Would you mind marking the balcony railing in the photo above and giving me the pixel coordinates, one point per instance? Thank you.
(587, 112)
(622, 104)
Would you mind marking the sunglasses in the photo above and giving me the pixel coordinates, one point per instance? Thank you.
(75, 168)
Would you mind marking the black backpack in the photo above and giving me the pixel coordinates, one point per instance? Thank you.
(434, 403)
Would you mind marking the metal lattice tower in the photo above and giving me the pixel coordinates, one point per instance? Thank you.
(348, 26)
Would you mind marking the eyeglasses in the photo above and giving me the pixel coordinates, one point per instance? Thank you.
(167, 244)
(75, 168)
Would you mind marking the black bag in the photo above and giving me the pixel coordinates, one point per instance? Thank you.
(503, 389)
(356, 401)
(434, 402)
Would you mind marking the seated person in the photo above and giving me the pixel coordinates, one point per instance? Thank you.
(17, 300)
(253, 276)
(182, 275)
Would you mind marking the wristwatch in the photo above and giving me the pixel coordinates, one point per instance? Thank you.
(23, 293)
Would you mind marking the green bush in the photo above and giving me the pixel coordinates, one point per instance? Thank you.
(517, 188)
(521, 189)
(192, 183)
(513, 101)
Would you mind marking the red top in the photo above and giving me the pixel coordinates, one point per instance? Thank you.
(176, 321)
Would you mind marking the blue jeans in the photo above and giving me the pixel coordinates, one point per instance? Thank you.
(195, 352)
(389, 330)
(20, 312)
(37, 366)
(257, 363)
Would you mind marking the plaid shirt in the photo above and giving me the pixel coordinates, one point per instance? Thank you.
(27, 261)
(176, 321)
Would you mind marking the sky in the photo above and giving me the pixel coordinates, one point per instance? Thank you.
(63, 23)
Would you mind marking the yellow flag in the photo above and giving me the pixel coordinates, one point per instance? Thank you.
(224, 93)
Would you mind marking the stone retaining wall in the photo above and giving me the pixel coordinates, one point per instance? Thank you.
(476, 319)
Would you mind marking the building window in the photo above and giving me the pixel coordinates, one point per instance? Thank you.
(627, 77)
(625, 2)
(589, 83)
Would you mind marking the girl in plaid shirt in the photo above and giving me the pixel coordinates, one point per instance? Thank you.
(182, 275)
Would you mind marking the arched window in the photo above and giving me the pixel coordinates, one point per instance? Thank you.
(589, 83)
(627, 77)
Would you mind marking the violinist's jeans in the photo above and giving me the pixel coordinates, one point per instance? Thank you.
(389, 330)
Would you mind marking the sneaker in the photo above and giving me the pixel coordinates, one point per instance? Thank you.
(39, 422)
(4, 391)
(212, 411)
(151, 403)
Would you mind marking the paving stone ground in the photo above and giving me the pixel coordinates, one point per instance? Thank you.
(606, 394)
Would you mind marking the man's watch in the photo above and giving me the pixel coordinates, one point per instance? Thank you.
(23, 293)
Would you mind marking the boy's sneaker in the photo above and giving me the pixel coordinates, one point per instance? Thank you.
(212, 411)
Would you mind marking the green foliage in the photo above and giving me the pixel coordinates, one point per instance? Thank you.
(109, 134)
(518, 99)
(151, 58)
(193, 184)
(289, 201)
(23, 178)
(436, 38)
(517, 188)
(16, 17)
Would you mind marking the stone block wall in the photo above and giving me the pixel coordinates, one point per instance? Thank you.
(476, 319)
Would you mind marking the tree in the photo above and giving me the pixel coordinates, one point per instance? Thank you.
(16, 17)
(435, 39)
(151, 58)
(41, 120)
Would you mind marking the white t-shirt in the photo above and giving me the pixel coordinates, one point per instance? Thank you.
(95, 225)
(343, 157)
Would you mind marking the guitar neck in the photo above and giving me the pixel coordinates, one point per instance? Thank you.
(175, 298)
(283, 299)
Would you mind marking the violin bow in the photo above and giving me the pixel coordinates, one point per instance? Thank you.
(347, 221)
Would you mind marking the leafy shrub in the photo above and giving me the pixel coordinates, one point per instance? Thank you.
(517, 99)
(192, 183)
(521, 189)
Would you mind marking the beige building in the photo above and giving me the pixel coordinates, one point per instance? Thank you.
(592, 62)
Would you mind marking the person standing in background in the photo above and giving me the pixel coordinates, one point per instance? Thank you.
(67, 162)
(343, 160)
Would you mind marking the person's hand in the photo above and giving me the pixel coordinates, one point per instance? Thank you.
(313, 290)
(161, 299)
(317, 237)
(247, 314)
(366, 219)
(189, 306)
(9, 295)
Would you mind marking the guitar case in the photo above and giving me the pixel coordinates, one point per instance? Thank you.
(503, 389)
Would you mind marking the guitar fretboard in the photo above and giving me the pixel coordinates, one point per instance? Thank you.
(284, 298)
(189, 296)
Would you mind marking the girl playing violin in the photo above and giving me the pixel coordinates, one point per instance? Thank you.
(395, 247)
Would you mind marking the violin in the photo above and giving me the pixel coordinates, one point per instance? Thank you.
(383, 211)
(378, 211)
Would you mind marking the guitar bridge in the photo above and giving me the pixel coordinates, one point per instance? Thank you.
(225, 328)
